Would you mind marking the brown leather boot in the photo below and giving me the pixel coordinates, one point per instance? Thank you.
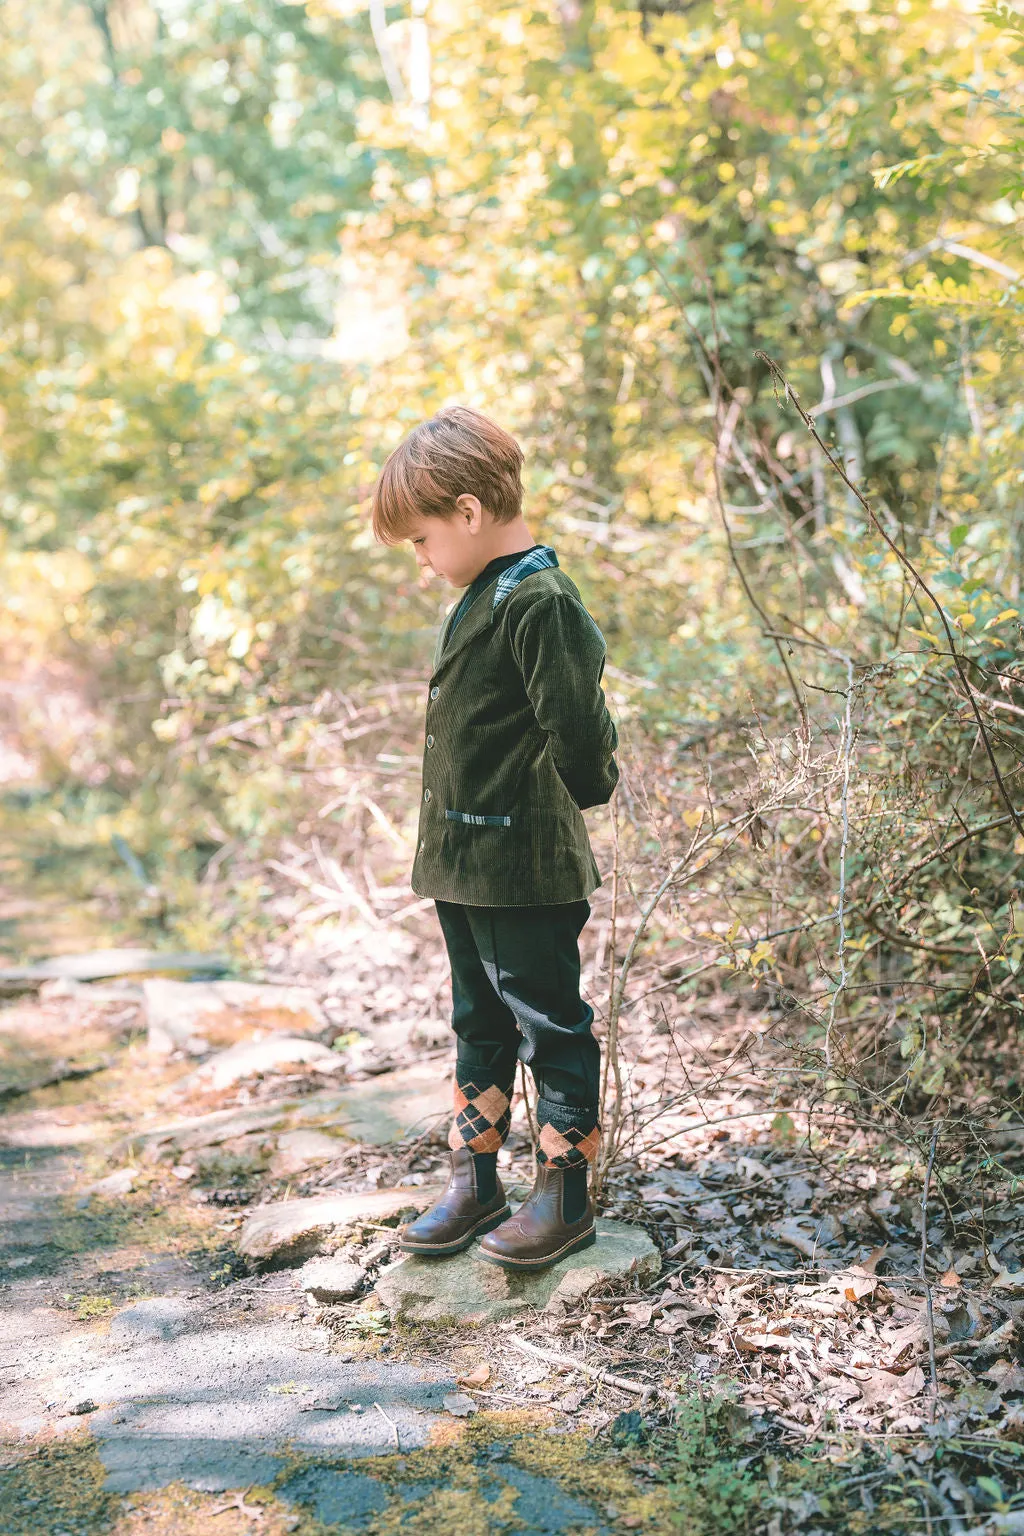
(460, 1215)
(539, 1234)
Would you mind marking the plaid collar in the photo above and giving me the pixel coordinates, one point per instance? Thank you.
(539, 559)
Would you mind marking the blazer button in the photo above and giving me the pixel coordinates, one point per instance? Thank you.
(426, 795)
(430, 741)
(434, 691)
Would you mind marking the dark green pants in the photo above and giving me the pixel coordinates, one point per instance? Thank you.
(516, 997)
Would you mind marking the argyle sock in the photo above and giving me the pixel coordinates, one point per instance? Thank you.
(569, 1138)
(482, 1113)
(569, 1134)
(482, 1118)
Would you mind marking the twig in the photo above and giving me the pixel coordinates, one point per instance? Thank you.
(238, 1502)
(504, 1397)
(924, 1277)
(609, 1379)
(841, 907)
(611, 1047)
(531, 1120)
(394, 1426)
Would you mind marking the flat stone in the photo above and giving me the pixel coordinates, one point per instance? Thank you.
(467, 1289)
(89, 992)
(99, 963)
(388, 1108)
(157, 1317)
(297, 1150)
(291, 1230)
(337, 1498)
(120, 1182)
(331, 1280)
(254, 1057)
(193, 1016)
(352, 1501)
(227, 1407)
(196, 1131)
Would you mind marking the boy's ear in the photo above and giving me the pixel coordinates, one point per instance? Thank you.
(471, 509)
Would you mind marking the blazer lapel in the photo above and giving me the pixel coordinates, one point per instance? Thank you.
(479, 617)
(485, 605)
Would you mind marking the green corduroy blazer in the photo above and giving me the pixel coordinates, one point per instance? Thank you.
(518, 740)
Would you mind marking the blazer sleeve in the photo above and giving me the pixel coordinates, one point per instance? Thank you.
(561, 655)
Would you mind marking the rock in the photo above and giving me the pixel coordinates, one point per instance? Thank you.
(297, 1150)
(93, 992)
(193, 1016)
(254, 1057)
(467, 1289)
(100, 963)
(120, 1182)
(375, 1112)
(240, 1156)
(291, 1230)
(157, 1317)
(330, 1280)
(507, 1495)
(210, 1130)
(222, 1406)
(387, 1108)
(61, 987)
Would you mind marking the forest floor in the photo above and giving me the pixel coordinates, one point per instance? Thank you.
(825, 1347)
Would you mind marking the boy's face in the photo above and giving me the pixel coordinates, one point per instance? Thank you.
(449, 547)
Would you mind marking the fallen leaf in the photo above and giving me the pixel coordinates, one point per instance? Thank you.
(1001, 1338)
(479, 1376)
(913, 1335)
(458, 1404)
(884, 1389)
(763, 1340)
(870, 1264)
(794, 1235)
(1007, 1375)
(911, 1383)
(798, 1193)
(750, 1168)
(856, 1282)
(640, 1312)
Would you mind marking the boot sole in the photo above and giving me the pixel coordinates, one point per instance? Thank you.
(585, 1240)
(438, 1250)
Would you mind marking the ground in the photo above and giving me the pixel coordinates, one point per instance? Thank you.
(760, 1359)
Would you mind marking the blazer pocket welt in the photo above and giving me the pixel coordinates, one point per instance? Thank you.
(471, 819)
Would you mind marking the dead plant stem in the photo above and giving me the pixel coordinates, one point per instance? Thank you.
(924, 1277)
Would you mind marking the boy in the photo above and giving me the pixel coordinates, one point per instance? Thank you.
(518, 741)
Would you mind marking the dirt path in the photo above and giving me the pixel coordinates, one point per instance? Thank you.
(146, 1370)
